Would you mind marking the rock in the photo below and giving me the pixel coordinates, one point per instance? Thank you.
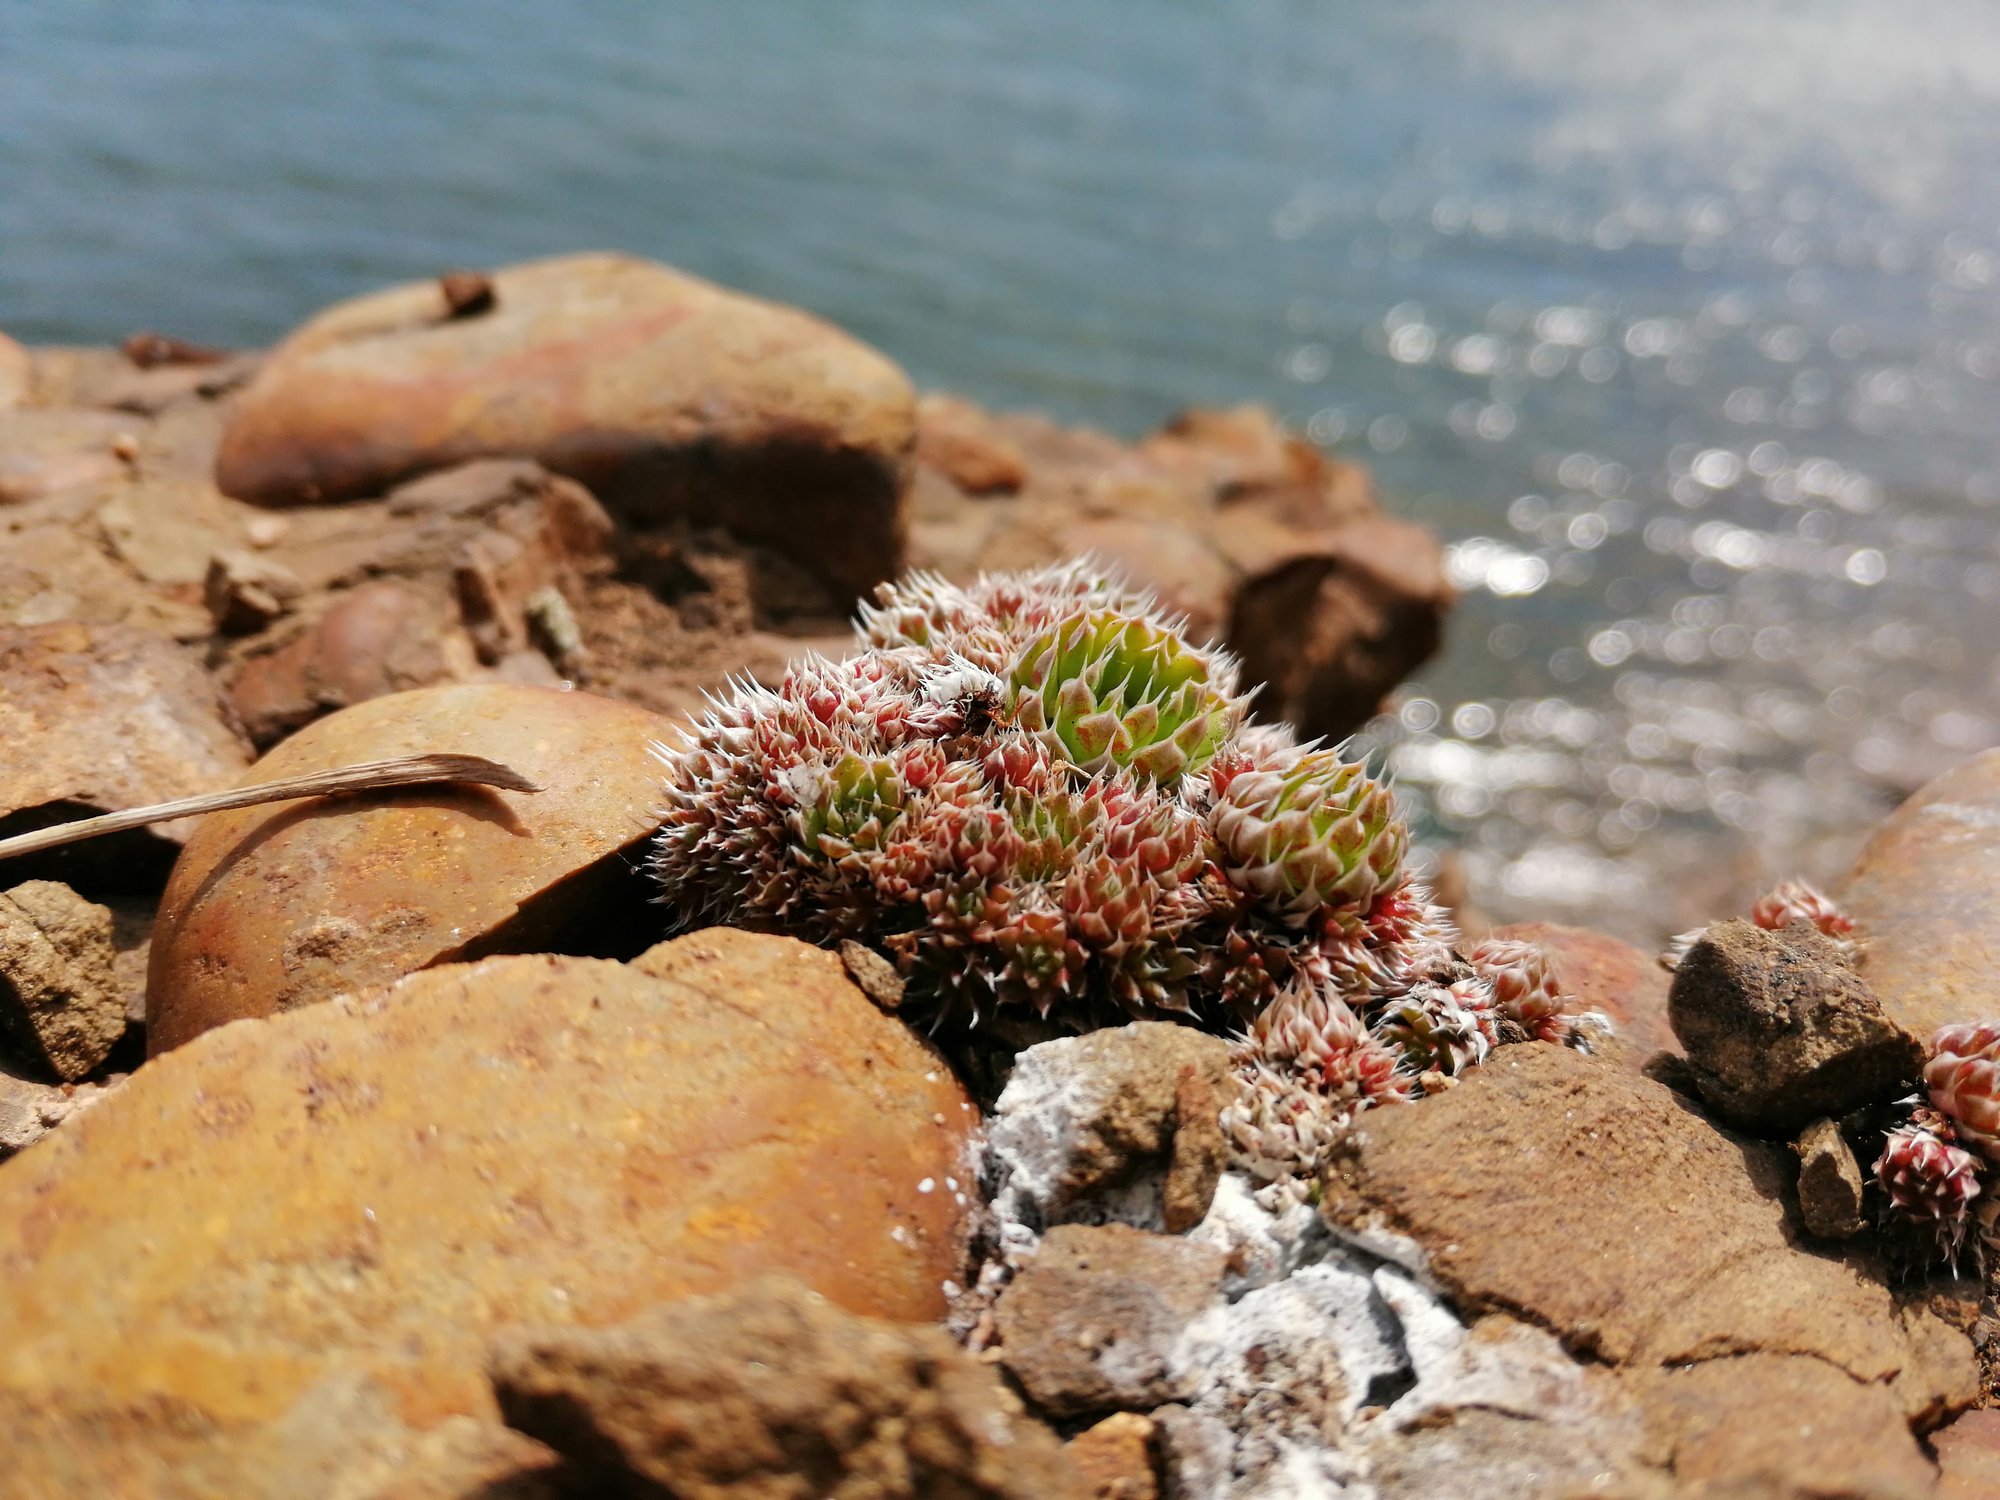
(1595, 1202)
(1199, 1150)
(166, 530)
(771, 1393)
(1968, 1456)
(1243, 529)
(151, 350)
(246, 592)
(1244, 453)
(342, 1440)
(61, 1007)
(1091, 1324)
(968, 447)
(1779, 1030)
(1772, 1424)
(378, 1184)
(283, 905)
(1089, 1115)
(1331, 622)
(30, 1110)
(15, 373)
(1610, 977)
(1921, 894)
(1115, 1458)
(107, 718)
(673, 399)
(52, 571)
(1830, 1184)
(458, 576)
(873, 974)
(380, 638)
(45, 452)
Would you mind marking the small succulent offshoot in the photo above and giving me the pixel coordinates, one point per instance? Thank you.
(1942, 1155)
(1929, 1180)
(1033, 792)
(1788, 902)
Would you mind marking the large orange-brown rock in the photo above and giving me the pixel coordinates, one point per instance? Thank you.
(1604, 974)
(1969, 1457)
(1925, 894)
(672, 398)
(278, 906)
(374, 1186)
(342, 1440)
(1599, 1204)
(98, 718)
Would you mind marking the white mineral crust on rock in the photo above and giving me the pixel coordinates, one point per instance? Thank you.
(1320, 1352)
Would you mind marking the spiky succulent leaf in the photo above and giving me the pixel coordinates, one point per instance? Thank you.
(1314, 832)
(1525, 987)
(1104, 690)
(1929, 1181)
(1439, 1028)
(1963, 1080)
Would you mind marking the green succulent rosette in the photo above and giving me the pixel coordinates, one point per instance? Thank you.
(1106, 691)
(1315, 833)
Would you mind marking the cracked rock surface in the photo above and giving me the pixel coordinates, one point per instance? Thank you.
(1602, 1207)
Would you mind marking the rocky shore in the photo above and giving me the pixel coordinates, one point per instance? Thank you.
(390, 1145)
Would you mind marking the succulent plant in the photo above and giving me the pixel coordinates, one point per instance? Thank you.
(1440, 1028)
(1789, 901)
(1103, 689)
(1524, 987)
(1929, 1180)
(1032, 791)
(1309, 832)
(1796, 901)
(1281, 1135)
(1963, 1081)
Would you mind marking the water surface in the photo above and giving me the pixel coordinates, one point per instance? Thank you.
(1680, 322)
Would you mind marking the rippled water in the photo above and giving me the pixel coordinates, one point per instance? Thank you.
(1680, 322)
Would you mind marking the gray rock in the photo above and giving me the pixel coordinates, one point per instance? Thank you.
(1780, 1030)
(1132, 1107)
(1093, 1323)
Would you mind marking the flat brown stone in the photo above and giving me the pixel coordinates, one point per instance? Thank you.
(1768, 1424)
(1968, 1454)
(46, 452)
(377, 1184)
(1090, 1325)
(1601, 1205)
(99, 718)
(771, 1393)
(1923, 897)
